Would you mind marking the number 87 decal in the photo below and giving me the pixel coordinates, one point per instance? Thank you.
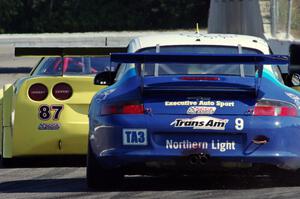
(45, 112)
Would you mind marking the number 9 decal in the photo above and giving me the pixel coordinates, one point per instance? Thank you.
(239, 124)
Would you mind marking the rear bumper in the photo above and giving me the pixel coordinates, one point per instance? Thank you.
(70, 139)
(149, 158)
(282, 150)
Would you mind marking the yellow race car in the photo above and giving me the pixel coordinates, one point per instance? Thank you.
(45, 114)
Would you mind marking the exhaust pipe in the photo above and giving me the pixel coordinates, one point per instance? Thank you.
(198, 159)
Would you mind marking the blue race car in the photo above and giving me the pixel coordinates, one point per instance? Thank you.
(192, 102)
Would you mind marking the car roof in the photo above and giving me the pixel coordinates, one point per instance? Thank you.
(199, 39)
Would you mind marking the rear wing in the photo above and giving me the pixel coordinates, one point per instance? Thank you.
(259, 60)
(199, 58)
(66, 51)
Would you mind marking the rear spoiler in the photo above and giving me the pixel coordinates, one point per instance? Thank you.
(66, 51)
(257, 59)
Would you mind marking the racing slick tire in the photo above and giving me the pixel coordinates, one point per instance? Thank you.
(99, 177)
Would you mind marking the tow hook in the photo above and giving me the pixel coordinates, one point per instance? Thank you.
(261, 139)
(199, 159)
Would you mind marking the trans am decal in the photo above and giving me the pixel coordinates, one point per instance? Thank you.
(200, 122)
(213, 145)
(201, 110)
(200, 103)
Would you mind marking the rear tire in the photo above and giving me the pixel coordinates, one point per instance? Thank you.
(100, 178)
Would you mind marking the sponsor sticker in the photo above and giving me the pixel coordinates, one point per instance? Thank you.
(200, 103)
(218, 145)
(201, 110)
(49, 127)
(295, 98)
(291, 95)
(103, 95)
(135, 137)
(200, 122)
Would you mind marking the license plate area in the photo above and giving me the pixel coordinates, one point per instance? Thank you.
(218, 144)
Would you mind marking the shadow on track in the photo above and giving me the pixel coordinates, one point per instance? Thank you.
(133, 183)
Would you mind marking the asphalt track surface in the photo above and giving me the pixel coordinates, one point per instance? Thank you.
(69, 182)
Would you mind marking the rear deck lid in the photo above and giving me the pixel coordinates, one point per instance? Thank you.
(202, 84)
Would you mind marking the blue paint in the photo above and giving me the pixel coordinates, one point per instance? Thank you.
(222, 125)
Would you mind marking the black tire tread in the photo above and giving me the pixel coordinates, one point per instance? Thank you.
(100, 178)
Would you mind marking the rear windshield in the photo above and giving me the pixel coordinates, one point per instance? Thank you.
(73, 66)
(183, 69)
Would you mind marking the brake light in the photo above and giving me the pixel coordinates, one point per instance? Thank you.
(274, 108)
(109, 109)
(200, 78)
(38, 92)
(62, 91)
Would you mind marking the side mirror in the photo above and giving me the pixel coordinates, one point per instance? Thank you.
(105, 78)
(294, 66)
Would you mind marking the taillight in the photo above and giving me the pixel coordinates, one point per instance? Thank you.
(108, 109)
(62, 91)
(38, 92)
(191, 78)
(274, 108)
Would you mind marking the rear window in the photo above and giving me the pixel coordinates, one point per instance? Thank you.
(186, 69)
(73, 66)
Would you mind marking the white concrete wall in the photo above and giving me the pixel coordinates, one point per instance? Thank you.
(76, 39)
(235, 16)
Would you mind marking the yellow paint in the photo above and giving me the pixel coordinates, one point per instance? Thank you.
(197, 28)
(6, 125)
(7, 142)
(28, 140)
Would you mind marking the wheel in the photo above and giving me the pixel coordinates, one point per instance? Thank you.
(100, 178)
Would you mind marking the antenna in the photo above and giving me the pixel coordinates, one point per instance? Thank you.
(197, 28)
